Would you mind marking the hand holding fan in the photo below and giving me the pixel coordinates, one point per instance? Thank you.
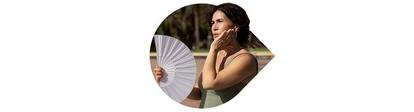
(179, 65)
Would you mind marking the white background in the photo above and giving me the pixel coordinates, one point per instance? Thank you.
(92, 55)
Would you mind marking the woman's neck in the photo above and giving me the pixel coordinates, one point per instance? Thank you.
(232, 48)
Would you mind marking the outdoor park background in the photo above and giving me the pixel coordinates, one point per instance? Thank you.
(189, 24)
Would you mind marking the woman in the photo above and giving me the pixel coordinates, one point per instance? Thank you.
(229, 66)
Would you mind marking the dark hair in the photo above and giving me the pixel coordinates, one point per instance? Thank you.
(238, 16)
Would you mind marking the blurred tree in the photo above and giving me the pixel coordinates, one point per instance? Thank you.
(189, 24)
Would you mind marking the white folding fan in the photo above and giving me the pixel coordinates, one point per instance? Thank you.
(179, 67)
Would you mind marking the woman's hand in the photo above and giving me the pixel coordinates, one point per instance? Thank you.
(158, 73)
(224, 39)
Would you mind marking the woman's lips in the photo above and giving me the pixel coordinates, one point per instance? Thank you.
(215, 35)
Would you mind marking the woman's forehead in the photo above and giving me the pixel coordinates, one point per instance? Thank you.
(219, 15)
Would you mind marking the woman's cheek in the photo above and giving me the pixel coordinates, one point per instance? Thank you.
(227, 27)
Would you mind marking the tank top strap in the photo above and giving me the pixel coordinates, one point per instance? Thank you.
(230, 59)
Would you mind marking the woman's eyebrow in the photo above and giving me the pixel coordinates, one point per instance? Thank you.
(218, 19)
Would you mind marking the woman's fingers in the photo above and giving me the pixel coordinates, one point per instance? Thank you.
(158, 73)
(229, 37)
(225, 38)
(226, 35)
(158, 69)
(158, 78)
(235, 33)
(218, 42)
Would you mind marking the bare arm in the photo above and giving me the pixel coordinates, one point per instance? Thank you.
(241, 67)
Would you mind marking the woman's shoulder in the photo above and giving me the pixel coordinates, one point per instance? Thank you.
(244, 54)
(241, 55)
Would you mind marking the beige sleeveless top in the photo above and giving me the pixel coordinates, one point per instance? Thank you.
(212, 98)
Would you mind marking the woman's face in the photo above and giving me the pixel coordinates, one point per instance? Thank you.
(220, 23)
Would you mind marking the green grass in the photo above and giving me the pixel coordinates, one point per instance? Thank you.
(200, 50)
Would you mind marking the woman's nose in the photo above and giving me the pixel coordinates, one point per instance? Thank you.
(214, 28)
